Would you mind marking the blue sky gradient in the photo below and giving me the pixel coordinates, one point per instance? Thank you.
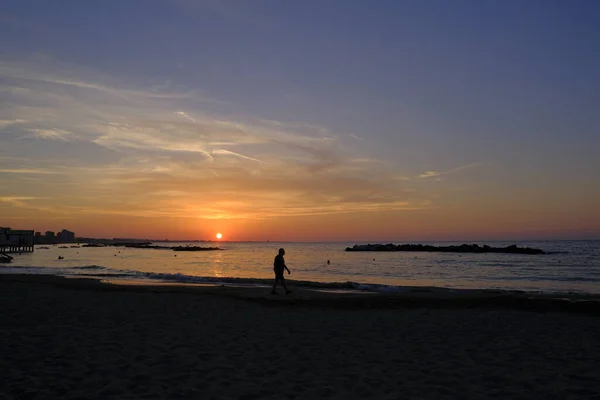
(422, 112)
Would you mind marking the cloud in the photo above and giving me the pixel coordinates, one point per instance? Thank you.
(432, 174)
(235, 193)
(18, 201)
(26, 171)
(464, 167)
(147, 136)
(52, 134)
(24, 72)
(134, 155)
(231, 153)
(7, 122)
(183, 114)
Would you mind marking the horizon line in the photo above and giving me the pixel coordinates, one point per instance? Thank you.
(340, 241)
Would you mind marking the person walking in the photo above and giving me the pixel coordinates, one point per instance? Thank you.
(278, 267)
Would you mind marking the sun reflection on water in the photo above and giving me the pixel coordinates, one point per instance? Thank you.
(216, 260)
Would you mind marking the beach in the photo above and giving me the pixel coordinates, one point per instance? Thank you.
(78, 338)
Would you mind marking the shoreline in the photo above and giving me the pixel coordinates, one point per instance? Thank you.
(395, 286)
(323, 297)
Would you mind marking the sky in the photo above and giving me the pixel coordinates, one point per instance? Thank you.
(338, 120)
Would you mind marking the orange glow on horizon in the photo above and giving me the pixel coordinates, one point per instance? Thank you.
(470, 222)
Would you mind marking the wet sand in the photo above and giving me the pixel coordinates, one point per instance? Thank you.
(74, 338)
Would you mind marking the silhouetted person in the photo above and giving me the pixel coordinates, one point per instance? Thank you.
(278, 267)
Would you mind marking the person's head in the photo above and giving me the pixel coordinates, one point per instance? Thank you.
(281, 251)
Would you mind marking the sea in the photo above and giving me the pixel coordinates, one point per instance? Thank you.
(569, 266)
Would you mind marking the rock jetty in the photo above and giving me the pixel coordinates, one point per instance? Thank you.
(174, 248)
(463, 248)
(5, 258)
(194, 248)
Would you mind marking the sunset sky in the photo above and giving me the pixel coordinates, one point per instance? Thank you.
(301, 120)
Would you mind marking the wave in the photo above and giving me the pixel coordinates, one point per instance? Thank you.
(533, 278)
(192, 279)
(571, 279)
(349, 285)
(97, 267)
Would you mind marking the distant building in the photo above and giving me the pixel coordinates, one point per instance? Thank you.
(49, 237)
(16, 241)
(65, 236)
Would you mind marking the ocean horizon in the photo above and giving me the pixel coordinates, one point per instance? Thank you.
(572, 266)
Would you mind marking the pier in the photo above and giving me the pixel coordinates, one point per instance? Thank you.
(16, 241)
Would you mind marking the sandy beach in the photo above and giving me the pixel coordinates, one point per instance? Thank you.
(67, 338)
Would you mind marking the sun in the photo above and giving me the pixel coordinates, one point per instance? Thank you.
(219, 235)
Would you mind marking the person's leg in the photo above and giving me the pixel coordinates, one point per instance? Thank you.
(274, 286)
(285, 287)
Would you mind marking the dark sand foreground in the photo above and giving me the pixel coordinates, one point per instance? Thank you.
(80, 339)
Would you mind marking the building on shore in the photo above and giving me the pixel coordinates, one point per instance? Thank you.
(16, 241)
(65, 236)
(49, 237)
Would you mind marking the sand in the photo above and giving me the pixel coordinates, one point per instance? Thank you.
(79, 339)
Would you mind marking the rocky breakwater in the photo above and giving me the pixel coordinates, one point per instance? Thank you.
(174, 248)
(5, 258)
(463, 248)
(194, 248)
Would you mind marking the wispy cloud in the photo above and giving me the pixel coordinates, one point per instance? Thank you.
(149, 160)
(234, 154)
(52, 134)
(7, 122)
(26, 171)
(433, 174)
(183, 114)
(464, 167)
(24, 71)
(18, 201)
(430, 174)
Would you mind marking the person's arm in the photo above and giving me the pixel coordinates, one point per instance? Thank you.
(287, 269)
